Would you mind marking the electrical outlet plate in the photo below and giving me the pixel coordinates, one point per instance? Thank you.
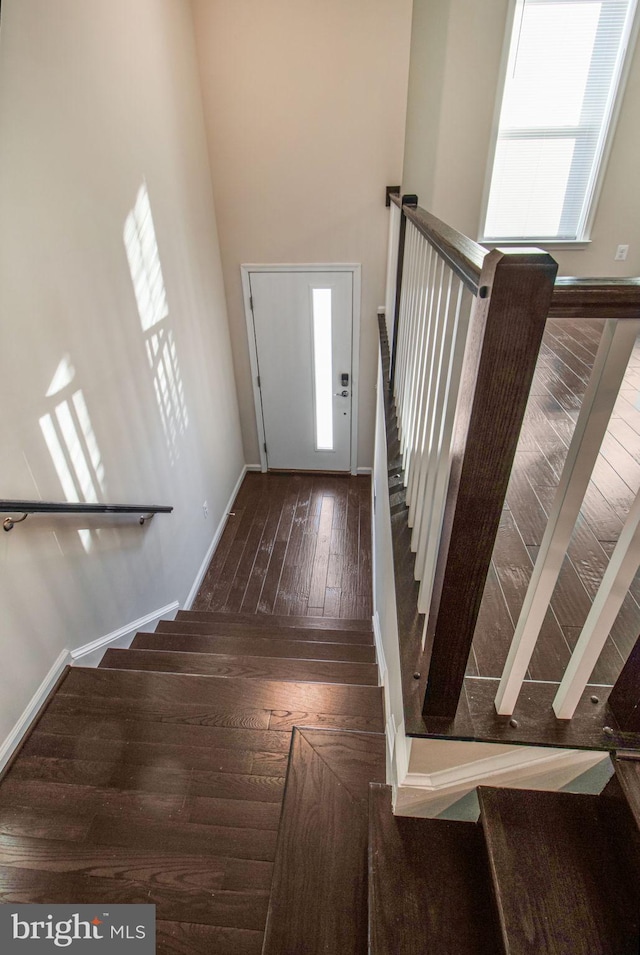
(621, 253)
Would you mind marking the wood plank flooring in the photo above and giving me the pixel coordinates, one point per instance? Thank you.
(564, 366)
(294, 544)
(319, 894)
(159, 777)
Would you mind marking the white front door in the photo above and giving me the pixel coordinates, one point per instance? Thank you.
(302, 323)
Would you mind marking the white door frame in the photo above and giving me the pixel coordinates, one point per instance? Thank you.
(355, 270)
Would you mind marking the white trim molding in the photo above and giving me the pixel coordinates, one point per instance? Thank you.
(23, 724)
(214, 543)
(90, 654)
(530, 767)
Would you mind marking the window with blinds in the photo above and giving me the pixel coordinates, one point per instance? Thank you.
(563, 75)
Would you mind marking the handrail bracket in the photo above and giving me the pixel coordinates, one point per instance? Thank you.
(9, 522)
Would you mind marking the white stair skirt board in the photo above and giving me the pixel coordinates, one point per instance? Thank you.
(90, 654)
(380, 659)
(521, 767)
(204, 566)
(23, 724)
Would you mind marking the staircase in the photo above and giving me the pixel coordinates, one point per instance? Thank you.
(230, 769)
(158, 777)
(550, 872)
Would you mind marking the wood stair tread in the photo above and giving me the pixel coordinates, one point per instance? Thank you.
(445, 904)
(166, 690)
(278, 620)
(222, 908)
(319, 892)
(231, 627)
(558, 883)
(246, 667)
(168, 733)
(189, 938)
(263, 646)
(176, 757)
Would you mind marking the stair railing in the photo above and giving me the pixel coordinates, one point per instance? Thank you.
(146, 511)
(619, 302)
(466, 334)
(466, 326)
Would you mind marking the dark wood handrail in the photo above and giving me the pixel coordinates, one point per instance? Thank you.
(462, 254)
(595, 298)
(586, 298)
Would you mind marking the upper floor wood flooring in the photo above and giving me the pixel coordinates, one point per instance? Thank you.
(563, 369)
(294, 544)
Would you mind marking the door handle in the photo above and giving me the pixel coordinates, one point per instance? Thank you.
(341, 394)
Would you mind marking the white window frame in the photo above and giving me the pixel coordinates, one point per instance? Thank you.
(584, 239)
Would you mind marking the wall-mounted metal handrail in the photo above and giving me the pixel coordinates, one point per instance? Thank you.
(146, 511)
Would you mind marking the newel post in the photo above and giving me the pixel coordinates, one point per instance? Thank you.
(624, 699)
(407, 200)
(507, 324)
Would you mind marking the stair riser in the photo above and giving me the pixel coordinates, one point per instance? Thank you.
(215, 628)
(245, 667)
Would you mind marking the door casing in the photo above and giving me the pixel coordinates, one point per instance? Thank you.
(355, 269)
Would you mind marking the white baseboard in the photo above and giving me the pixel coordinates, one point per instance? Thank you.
(365, 471)
(214, 543)
(253, 467)
(90, 654)
(14, 738)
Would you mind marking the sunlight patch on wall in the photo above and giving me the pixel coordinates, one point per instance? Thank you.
(148, 284)
(71, 441)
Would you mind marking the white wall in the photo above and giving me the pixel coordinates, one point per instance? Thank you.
(454, 75)
(96, 99)
(304, 106)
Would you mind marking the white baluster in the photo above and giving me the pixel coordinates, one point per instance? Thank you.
(616, 345)
(424, 298)
(404, 330)
(392, 269)
(616, 581)
(439, 446)
(435, 321)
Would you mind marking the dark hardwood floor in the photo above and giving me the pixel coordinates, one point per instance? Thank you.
(564, 366)
(159, 776)
(294, 544)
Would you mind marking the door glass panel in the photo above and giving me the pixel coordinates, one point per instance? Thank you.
(322, 368)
